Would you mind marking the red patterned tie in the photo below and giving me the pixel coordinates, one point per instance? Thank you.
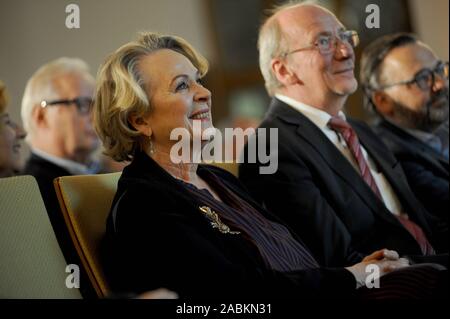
(351, 139)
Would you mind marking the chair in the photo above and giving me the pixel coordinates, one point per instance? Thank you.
(85, 203)
(233, 167)
(31, 262)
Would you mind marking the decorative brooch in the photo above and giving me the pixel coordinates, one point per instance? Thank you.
(216, 222)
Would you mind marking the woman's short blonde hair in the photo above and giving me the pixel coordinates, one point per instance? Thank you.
(121, 91)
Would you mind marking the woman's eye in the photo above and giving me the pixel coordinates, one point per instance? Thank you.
(200, 81)
(181, 86)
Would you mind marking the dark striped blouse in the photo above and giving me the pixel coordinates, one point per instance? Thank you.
(275, 243)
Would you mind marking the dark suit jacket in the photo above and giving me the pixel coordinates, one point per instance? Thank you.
(45, 172)
(318, 193)
(157, 237)
(426, 169)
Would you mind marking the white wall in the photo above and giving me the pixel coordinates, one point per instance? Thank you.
(33, 32)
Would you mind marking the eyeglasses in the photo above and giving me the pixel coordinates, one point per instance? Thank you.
(83, 104)
(425, 78)
(327, 43)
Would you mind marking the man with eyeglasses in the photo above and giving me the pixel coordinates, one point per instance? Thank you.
(407, 87)
(56, 113)
(337, 185)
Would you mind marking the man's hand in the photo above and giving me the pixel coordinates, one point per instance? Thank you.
(386, 260)
(160, 293)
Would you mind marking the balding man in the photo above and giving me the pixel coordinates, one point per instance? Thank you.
(406, 85)
(56, 113)
(337, 185)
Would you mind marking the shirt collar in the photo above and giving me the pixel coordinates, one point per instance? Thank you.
(423, 136)
(318, 117)
(429, 139)
(72, 167)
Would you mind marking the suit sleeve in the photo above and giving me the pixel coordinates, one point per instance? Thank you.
(166, 249)
(291, 193)
(432, 190)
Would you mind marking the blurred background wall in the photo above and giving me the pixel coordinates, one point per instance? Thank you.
(33, 32)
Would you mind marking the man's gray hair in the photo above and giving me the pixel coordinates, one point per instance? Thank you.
(40, 86)
(272, 43)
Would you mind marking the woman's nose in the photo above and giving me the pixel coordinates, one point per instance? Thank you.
(202, 94)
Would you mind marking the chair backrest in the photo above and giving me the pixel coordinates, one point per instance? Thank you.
(85, 203)
(31, 262)
(233, 167)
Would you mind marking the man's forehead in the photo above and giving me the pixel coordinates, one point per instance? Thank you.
(72, 84)
(413, 56)
(309, 21)
(324, 27)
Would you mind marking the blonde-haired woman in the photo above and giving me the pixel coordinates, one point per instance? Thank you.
(187, 227)
(11, 135)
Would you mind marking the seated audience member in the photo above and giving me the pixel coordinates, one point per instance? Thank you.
(56, 113)
(193, 228)
(11, 136)
(407, 87)
(336, 185)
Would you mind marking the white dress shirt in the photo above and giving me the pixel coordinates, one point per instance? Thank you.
(72, 167)
(320, 119)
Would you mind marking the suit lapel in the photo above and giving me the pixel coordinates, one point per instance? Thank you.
(438, 160)
(391, 170)
(325, 149)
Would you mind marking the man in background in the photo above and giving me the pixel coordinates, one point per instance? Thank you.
(56, 113)
(337, 185)
(407, 86)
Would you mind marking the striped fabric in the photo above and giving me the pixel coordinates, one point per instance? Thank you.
(421, 281)
(277, 247)
(351, 139)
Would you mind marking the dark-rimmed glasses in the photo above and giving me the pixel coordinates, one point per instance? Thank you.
(83, 104)
(425, 78)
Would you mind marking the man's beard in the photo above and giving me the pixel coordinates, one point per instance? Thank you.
(429, 117)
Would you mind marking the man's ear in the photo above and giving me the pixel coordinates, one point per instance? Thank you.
(383, 103)
(140, 124)
(40, 116)
(283, 74)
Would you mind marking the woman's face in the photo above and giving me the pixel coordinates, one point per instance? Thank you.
(11, 135)
(176, 95)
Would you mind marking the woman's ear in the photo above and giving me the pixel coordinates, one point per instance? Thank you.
(283, 74)
(140, 124)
